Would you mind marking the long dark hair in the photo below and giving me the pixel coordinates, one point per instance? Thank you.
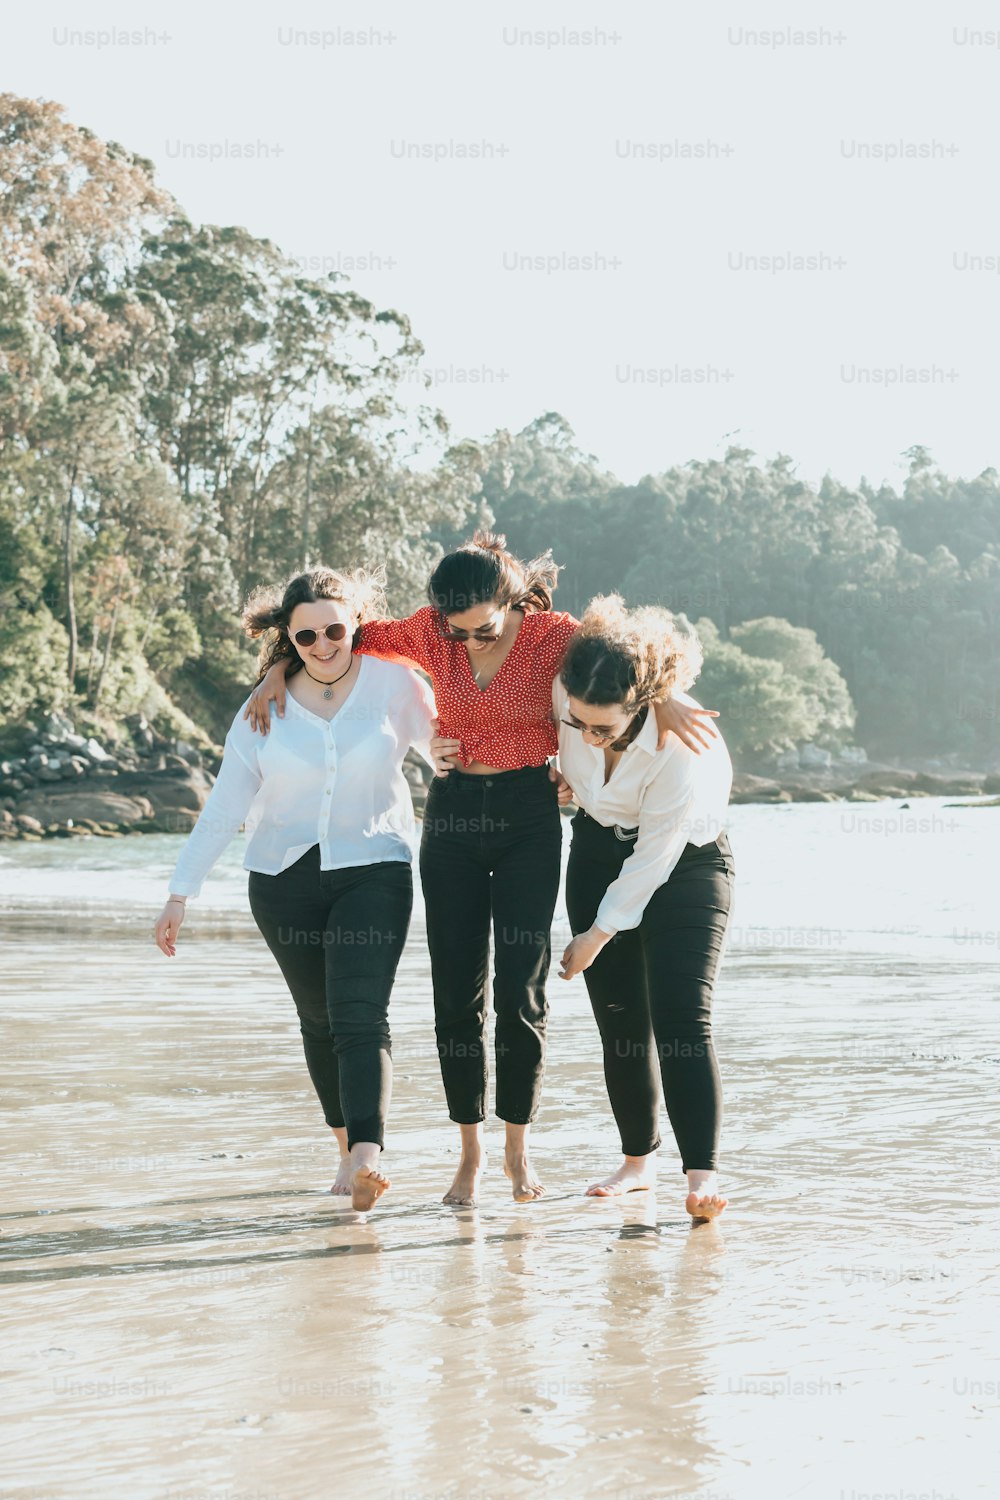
(269, 608)
(483, 571)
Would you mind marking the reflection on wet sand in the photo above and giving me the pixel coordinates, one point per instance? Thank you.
(191, 1314)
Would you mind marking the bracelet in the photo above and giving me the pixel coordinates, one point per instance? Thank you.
(181, 899)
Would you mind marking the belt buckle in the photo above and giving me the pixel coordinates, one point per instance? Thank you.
(626, 835)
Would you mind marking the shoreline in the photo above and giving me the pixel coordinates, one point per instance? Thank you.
(68, 786)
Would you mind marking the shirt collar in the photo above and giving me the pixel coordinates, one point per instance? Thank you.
(648, 735)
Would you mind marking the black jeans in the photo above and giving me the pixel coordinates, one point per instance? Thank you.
(490, 853)
(651, 991)
(337, 936)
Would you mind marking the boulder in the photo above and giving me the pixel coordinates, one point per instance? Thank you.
(175, 820)
(62, 803)
(27, 823)
(58, 727)
(169, 791)
(960, 784)
(747, 788)
(95, 751)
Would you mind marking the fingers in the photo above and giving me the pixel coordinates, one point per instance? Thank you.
(165, 934)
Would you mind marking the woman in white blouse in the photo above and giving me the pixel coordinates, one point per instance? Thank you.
(329, 824)
(648, 888)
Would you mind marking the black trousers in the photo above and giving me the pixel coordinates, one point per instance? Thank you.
(651, 991)
(490, 855)
(337, 936)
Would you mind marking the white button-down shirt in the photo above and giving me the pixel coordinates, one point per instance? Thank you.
(673, 796)
(337, 783)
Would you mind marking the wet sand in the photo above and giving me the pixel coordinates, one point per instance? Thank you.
(191, 1316)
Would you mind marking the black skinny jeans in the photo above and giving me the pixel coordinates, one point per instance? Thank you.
(490, 853)
(337, 936)
(651, 991)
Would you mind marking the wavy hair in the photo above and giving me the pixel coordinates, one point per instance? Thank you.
(483, 571)
(631, 657)
(269, 607)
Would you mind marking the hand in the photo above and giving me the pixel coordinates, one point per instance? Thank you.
(168, 925)
(582, 951)
(444, 753)
(272, 686)
(565, 794)
(689, 724)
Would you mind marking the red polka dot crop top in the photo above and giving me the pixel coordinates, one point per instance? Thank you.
(507, 724)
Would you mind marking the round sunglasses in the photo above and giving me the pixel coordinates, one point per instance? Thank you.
(309, 637)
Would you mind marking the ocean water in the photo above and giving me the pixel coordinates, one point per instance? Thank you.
(870, 877)
(190, 1314)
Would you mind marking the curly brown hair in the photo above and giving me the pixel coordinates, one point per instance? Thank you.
(631, 657)
(269, 607)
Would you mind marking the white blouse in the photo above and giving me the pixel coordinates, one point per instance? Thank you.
(337, 783)
(673, 796)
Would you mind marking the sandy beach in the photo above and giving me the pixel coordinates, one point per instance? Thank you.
(191, 1316)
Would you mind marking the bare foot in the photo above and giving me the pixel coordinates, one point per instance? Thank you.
(525, 1184)
(703, 1201)
(342, 1181)
(634, 1174)
(367, 1186)
(464, 1191)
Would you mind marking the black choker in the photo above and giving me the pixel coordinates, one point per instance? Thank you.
(328, 686)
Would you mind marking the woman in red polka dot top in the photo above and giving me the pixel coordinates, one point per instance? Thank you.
(490, 850)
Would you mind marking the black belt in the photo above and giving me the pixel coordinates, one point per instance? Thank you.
(626, 835)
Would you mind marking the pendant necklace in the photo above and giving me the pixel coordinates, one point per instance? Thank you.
(328, 687)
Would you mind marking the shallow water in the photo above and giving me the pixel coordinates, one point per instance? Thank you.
(190, 1314)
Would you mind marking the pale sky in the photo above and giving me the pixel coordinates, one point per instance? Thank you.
(750, 150)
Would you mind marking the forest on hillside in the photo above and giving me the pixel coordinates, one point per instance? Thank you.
(184, 413)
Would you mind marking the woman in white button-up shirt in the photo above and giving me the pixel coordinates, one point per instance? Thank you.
(648, 889)
(329, 824)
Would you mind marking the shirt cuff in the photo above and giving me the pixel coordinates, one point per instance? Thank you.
(604, 920)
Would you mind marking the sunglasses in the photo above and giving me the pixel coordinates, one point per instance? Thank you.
(308, 637)
(482, 634)
(602, 739)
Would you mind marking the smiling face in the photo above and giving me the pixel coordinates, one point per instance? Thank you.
(489, 618)
(325, 659)
(599, 723)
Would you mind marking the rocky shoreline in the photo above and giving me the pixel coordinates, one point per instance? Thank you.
(872, 785)
(65, 785)
(68, 785)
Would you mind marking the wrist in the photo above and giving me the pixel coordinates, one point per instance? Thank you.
(182, 900)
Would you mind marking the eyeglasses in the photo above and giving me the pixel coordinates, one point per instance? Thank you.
(601, 738)
(482, 634)
(308, 637)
